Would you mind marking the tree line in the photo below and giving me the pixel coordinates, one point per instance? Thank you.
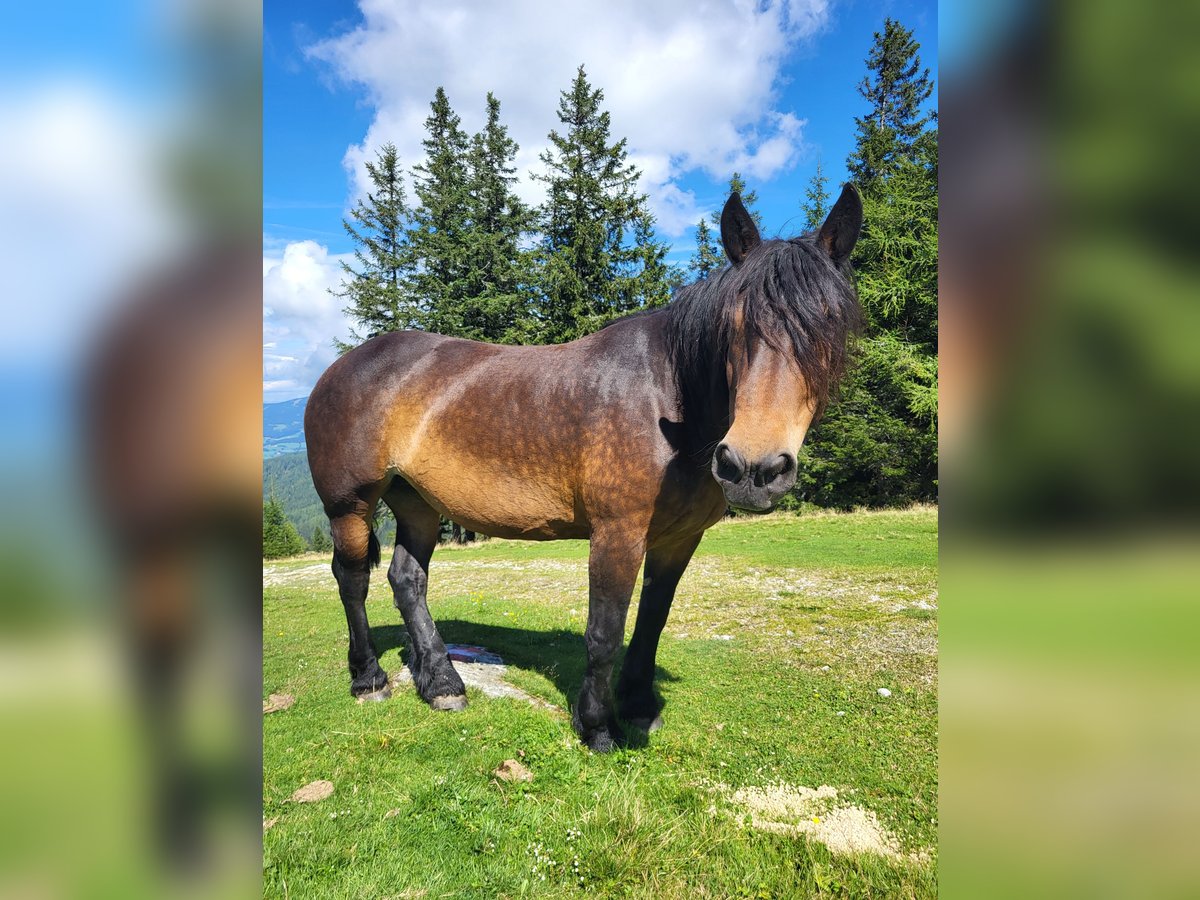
(466, 256)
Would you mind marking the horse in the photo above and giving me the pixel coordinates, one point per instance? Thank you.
(636, 437)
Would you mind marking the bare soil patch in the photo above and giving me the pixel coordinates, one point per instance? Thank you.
(816, 814)
(313, 792)
(278, 703)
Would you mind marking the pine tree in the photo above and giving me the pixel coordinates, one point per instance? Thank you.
(375, 286)
(816, 205)
(440, 221)
(737, 185)
(598, 255)
(709, 256)
(280, 537)
(651, 280)
(497, 268)
(320, 541)
(877, 444)
(896, 88)
(897, 256)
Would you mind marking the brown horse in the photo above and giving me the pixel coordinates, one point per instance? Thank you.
(636, 437)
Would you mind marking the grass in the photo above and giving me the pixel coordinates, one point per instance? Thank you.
(781, 623)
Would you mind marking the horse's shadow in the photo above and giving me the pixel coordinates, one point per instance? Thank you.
(557, 654)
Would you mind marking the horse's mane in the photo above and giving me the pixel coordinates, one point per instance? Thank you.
(795, 299)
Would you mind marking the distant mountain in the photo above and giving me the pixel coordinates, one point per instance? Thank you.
(286, 476)
(283, 427)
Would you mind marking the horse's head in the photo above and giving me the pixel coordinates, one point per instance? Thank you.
(789, 328)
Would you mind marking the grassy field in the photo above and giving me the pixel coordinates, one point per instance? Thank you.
(783, 631)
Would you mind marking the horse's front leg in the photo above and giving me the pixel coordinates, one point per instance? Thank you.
(616, 554)
(635, 688)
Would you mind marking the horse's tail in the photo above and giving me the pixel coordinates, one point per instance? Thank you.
(373, 551)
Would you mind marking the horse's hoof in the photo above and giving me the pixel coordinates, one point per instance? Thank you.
(455, 703)
(375, 696)
(647, 725)
(600, 742)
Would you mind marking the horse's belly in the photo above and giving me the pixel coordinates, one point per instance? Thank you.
(501, 506)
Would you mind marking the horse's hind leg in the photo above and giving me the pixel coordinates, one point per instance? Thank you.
(355, 550)
(417, 524)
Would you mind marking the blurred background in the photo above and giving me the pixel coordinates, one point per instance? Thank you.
(130, 377)
(1070, 400)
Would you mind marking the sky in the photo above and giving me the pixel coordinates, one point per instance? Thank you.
(700, 88)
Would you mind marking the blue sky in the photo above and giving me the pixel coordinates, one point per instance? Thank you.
(699, 88)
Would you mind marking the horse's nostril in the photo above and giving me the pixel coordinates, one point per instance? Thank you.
(779, 467)
(729, 464)
(787, 463)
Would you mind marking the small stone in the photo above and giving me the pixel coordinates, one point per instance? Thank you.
(313, 792)
(884, 692)
(840, 712)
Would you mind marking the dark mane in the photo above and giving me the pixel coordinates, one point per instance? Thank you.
(795, 299)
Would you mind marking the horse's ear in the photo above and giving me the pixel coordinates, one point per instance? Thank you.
(839, 234)
(739, 234)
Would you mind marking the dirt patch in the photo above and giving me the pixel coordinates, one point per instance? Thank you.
(511, 770)
(276, 575)
(313, 792)
(278, 703)
(815, 813)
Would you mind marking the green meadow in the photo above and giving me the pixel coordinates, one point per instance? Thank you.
(781, 770)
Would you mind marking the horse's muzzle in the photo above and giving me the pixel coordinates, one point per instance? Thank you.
(755, 487)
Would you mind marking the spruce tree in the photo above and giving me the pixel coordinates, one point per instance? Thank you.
(709, 256)
(598, 255)
(877, 445)
(896, 87)
(440, 221)
(816, 199)
(650, 279)
(375, 286)
(320, 541)
(897, 256)
(497, 268)
(280, 537)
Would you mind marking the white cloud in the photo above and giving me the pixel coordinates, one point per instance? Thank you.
(691, 84)
(301, 318)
